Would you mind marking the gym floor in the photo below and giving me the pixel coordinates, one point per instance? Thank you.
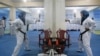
(8, 42)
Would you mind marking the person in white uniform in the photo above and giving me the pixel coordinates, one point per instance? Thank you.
(4, 22)
(21, 30)
(2, 25)
(86, 28)
(1, 28)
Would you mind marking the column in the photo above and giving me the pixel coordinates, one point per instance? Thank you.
(60, 14)
(12, 17)
(54, 15)
(48, 14)
(12, 13)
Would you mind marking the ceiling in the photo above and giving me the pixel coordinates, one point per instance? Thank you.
(27, 0)
(39, 3)
(2, 5)
(73, 0)
(37, 0)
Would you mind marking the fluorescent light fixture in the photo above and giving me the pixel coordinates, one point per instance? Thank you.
(76, 8)
(24, 0)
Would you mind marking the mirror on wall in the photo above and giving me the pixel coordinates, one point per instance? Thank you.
(33, 13)
(94, 12)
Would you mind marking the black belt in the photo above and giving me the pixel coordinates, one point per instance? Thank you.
(22, 33)
(81, 34)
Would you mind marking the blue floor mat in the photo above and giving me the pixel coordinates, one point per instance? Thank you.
(8, 42)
